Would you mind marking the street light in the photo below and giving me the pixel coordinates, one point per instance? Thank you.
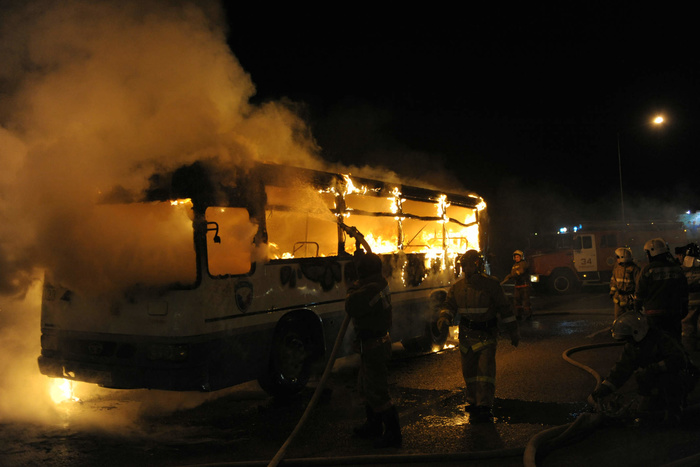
(658, 120)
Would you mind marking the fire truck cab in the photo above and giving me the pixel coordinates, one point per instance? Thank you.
(562, 262)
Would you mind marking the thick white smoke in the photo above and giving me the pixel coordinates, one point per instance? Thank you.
(102, 94)
(98, 95)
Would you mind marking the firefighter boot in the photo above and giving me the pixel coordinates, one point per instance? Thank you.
(392, 430)
(372, 428)
(481, 414)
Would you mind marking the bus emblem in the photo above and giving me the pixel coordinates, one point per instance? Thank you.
(244, 295)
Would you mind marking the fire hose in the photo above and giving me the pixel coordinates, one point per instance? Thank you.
(547, 439)
(544, 441)
(361, 242)
(584, 423)
(317, 394)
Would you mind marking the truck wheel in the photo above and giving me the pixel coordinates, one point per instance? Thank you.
(563, 282)
(290, 362)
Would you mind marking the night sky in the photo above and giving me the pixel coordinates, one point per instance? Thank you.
(523, 106)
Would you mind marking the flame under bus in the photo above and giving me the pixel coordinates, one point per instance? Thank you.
(247, 275)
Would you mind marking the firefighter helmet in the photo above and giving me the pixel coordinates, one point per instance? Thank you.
(624, 255)
(519, 252)
(655, 247)
(630, 325)
(471, 262)
(369, 264)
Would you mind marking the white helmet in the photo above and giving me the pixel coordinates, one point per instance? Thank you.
(630, 324)
(655, 247)
(624, 255)
(519, 252)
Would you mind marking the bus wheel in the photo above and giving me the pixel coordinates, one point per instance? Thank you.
(563, 282)
(432, 340)
(290, 362)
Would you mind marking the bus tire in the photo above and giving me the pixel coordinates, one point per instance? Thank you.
(432, 339)
(290, 362)
(563, 281)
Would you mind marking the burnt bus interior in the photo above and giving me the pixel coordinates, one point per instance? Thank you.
(296, 213)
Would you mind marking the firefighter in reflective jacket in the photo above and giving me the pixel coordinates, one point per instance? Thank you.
(368, 303)
(662, 289)
(520, 273)
(689, 325)
(664, 373)
(623, 281)
(480, 301)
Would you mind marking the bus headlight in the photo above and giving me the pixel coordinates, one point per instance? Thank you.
(534, 278)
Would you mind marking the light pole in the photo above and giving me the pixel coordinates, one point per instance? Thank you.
(658, 120)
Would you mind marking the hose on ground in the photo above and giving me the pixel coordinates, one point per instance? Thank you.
(380, 459)
(584, 424)
(317, 394)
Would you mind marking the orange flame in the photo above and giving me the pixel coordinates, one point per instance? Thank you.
(61, 390)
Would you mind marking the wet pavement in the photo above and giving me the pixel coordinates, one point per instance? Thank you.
(538, 392)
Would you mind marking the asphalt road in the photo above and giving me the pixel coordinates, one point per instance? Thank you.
(538, 392)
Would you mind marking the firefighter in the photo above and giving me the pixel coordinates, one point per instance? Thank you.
(689, 325)
(480, 301)
(623, 281)
(661, 368)
(520, 273)
(662, 289)
(368, 303)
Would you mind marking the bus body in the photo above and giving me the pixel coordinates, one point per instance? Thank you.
(261, 294)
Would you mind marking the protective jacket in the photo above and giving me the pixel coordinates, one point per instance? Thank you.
(692, 275)
(689, 325)
(662, 289)
(520, 273)
(480, 302)
(623, 282)
(368, 303)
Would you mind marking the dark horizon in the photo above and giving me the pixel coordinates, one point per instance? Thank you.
(525, 107)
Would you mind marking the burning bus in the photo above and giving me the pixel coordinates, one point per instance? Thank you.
(245, 277)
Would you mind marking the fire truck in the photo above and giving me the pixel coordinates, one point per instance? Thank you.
(562, 262)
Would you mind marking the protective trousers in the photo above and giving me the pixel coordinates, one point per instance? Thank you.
(521, 296)
(478, 355)
(689, 327)
(373, 375)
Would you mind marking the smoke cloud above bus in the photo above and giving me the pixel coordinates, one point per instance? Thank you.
(101, 95)
(95, 97)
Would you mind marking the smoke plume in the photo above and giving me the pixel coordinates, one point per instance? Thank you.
(96, 97)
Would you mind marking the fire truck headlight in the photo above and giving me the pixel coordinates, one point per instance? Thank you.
(534, 278)
(173, 353)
